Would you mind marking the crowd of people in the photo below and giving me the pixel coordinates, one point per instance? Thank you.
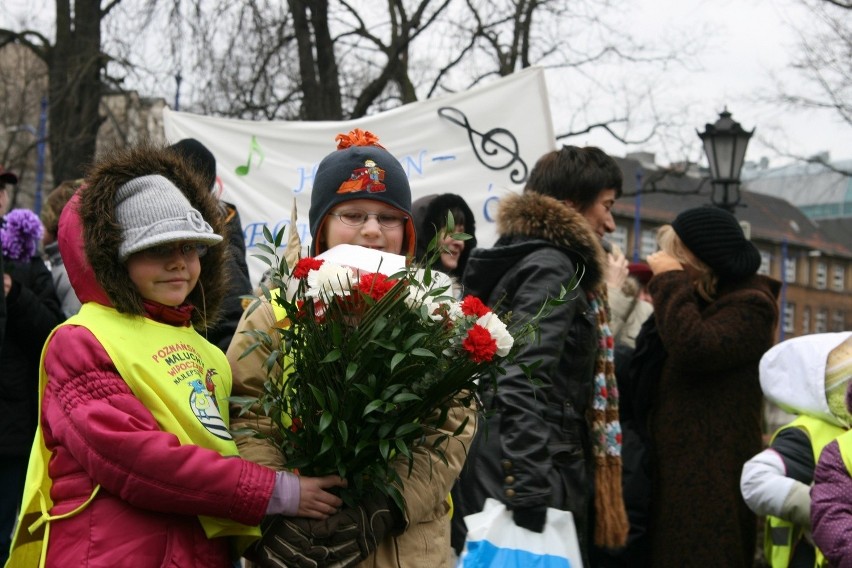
(638, 408)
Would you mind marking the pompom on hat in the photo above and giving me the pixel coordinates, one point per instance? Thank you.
(360, 168)
(717, 239)
(152, 211)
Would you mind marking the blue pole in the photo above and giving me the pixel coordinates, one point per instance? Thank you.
(783, 287)
(637, 215)
(178, 79)
(40, 145)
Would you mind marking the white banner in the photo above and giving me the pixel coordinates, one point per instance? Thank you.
(479, 144)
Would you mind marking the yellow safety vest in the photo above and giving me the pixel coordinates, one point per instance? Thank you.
(184, 381)
(781, 536)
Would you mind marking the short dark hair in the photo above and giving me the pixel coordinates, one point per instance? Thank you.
(575, 174)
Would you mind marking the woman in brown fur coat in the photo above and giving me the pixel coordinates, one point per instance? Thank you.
(714, 318)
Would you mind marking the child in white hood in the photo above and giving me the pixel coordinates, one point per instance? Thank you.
(796, 375)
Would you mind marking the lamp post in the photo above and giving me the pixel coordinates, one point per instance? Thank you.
(178, 81)
(725, 144)
(40, 135)
(42, 141)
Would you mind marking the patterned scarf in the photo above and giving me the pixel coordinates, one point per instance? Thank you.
(611, 525)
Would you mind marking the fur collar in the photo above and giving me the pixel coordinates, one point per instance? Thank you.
(537, 216)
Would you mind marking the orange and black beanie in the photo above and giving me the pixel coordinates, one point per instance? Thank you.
(360, 168)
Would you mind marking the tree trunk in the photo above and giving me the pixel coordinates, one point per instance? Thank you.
(75, 66)
(317, 64)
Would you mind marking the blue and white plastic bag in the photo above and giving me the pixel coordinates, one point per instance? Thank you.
(493, 539)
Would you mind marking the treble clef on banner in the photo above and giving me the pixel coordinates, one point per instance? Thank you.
(497, 149)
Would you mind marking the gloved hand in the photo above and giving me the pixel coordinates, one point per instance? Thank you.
(366, 525)
(288, 541)
(340, 541)
(531, 518)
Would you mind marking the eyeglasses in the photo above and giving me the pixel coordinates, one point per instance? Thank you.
(357, 217)
(165, 252)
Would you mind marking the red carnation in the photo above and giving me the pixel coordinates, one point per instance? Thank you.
(473, 306)
(375, 285)
(479, 343)
(351, 305)
(305, 265)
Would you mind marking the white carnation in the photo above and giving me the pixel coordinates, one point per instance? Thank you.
(498, 331)
(329, 280)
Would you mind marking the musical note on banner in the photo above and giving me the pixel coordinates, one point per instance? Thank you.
(497, 146)
(254, 150)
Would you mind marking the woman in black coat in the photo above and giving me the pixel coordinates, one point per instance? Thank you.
(32, 311)
(551, 440)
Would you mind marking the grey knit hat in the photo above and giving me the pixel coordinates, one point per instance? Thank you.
(359, 169)
(717, 239)
(153, 211)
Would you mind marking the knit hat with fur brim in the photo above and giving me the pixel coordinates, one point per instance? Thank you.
(152, 211)
(360, 168)
(717, 239)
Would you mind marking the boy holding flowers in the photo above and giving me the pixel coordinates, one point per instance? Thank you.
(360, 196)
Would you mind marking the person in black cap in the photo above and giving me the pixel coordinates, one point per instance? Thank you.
(360, 196)
(11, 179)
(696, 363)
(200, 158)
(29, 309)
(6, 178)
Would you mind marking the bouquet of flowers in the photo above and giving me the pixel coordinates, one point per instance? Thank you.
(373, 358)
(20, 234)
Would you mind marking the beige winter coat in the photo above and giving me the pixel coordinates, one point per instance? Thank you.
(627, 312)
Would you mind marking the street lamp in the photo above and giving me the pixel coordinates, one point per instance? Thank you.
(725, 145)
(41, 141)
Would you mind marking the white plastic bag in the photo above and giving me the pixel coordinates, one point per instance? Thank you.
(493, 539)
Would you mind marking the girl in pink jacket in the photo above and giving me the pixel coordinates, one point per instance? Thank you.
(133, 463)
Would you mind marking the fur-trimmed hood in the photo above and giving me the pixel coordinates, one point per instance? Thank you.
(89, 234)
(536, 216)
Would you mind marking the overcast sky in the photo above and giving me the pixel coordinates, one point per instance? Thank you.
(740, 44)
(746, 40)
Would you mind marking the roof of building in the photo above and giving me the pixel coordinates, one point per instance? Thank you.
(666, 192)
(820, 190)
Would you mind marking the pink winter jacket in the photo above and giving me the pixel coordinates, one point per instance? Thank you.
(152, 487)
